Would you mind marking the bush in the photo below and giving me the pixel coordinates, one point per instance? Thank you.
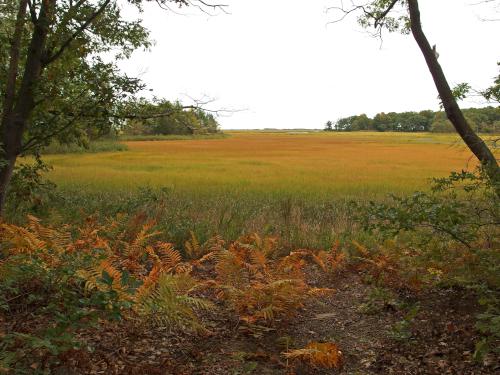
(448, 237)
(91, 147)
(29, 189)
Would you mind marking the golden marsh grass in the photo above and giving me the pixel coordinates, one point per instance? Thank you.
(343, 164)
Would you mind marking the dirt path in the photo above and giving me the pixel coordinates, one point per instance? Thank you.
(358, 317)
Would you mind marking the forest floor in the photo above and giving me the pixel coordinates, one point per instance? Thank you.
(371, 326)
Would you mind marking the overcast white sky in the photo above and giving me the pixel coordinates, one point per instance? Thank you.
(279, 60)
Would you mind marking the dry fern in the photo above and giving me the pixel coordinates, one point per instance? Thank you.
(325, 355)
(103, 276)
(168, 303)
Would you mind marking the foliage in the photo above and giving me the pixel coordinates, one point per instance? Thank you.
(29, 188)
(493, 92)
(461, 91)
(326, 355)
(383, 15)
(69, 281)
(101, 145)
(169, 119)
(378, 300)
(484, 120)
(329, 126)
(73, 75)
(257, 289)
(463, 208)
(95, 87)
(73, 279)
(401, 331)
(446, 237)
(488, 323)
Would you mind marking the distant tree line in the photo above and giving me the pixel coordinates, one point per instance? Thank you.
(482, 120)
(172, 118)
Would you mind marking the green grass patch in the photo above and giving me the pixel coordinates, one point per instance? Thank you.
(172, 137)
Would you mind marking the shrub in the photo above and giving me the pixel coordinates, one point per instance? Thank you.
(447, 237)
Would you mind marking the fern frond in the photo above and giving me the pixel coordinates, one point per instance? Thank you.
(325, 355)
(192, 246)
(183, 268)
(258, 259)
(141, 238)
(168, 255)
(169, 305)
(207, 257)
(362, 249)
(55, 239)
(318, 259)
(96, 275)
(214, 244)
(230, 269)
(148, 284)
(20, 240)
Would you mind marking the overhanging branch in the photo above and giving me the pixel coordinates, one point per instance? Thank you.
(76, 33)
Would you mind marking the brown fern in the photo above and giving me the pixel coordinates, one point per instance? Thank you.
(326, 355)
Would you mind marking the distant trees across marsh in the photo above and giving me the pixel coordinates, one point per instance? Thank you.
(170, 119)
(482, 120)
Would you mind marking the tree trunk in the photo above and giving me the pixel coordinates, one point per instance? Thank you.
(5, 176)
(15, 46)
(453, 112)
(7, 168)
(18, 109)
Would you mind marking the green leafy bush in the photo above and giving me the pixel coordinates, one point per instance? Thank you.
(449, 236)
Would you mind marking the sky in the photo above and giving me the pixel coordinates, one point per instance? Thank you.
(284, 64)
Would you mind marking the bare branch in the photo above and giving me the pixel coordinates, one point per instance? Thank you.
(378, 18)
(221, 7)
(346, 12)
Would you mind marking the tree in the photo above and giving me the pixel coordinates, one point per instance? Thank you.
(344, 124)
(53, 80)
(382, 122)
(182, 121)
(441, 124)
(362, 122)
(329, 126)
(493, 92)
(382, 15)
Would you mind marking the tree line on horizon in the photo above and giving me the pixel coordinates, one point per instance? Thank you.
(482, 120)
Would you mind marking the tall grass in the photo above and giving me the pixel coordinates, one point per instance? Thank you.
(298, 221)
(296, 186)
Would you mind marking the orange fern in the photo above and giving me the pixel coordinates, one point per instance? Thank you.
(325, 355)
